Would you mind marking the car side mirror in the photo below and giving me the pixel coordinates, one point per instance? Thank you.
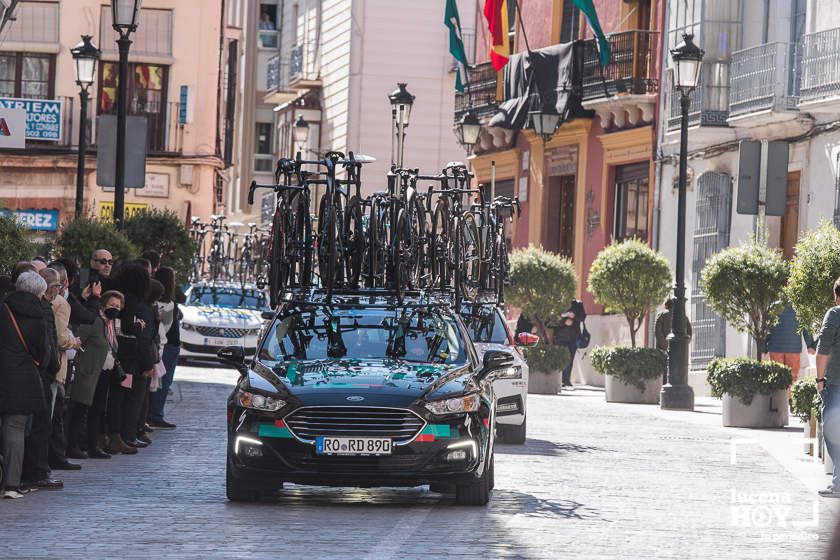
(527, 340)
(267, 315)
(495, 360)
(232, 356)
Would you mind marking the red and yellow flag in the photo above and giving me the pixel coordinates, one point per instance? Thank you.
(496, 14)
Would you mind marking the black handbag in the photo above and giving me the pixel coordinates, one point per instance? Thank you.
(584, 338)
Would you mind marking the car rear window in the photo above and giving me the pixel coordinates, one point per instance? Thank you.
(486, 325)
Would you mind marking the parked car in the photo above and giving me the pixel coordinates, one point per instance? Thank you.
(488, 330)
(220, 315)
(363, 392)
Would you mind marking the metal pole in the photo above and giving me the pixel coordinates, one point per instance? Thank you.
(119, 182)
(80, 163)
(677, 394)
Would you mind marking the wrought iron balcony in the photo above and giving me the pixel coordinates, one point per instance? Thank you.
(631, 71)
(709, 102)
(763, 78)
(480, 94)
(277, 78)
(820, 71)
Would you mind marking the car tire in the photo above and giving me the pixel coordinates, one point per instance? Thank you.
(515, 434)
(477, 493)
(237, 492)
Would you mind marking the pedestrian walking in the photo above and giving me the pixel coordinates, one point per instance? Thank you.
(784, 343)
(23, 330)
(828, 382)
(171, 338)
(568, 334)
(661, 330)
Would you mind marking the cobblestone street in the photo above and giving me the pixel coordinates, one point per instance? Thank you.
(593, 481)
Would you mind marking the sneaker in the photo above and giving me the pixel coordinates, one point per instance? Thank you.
(829, 493)
(13, 494)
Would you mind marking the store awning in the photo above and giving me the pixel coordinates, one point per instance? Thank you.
(541, 74)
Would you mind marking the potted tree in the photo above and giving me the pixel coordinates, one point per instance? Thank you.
(805, 404)
(632, 279)
(813, 270)
(542, 284)
(745, 285)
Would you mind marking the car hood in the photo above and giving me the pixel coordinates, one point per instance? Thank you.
(209, 316)
(378, 382)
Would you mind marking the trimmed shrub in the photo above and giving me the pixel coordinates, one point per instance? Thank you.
(745, 285)
(632, 366)
(14, 244)
(632, 279)
(805, 399)
(546, 358)
(814, 268)
(542, 285)
(167, 234)
(79, 238)
(743, 378)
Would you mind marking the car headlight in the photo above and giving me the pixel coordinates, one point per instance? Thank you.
(513, 372)
(187, 326)
(259, 402)
(467, 403)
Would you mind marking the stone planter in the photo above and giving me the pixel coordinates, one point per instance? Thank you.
(619, 392)
(541, 383)
(765, 411)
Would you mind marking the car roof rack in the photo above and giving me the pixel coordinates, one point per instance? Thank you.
(369, 297)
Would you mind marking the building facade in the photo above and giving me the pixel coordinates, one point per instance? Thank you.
(592, 181)
(176, 81)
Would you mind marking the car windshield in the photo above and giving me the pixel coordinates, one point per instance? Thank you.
(485, 324)
(423, 335)
(228, 297)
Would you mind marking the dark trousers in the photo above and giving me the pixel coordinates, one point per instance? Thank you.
(116, 404)
(37, 449)
(134, 405)
(58, 437)
(96, 411)
(157, 400)
(567, 372)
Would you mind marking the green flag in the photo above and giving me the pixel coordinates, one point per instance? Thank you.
(588, 9)
(456, 43)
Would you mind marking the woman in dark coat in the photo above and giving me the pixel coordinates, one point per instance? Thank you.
(23, 332)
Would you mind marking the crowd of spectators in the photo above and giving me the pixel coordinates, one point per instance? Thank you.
(86, 360)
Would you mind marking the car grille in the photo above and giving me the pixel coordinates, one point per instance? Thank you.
(223, 332)
(399, 424)
(357, 465)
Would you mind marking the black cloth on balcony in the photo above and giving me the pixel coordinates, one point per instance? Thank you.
(547, 72)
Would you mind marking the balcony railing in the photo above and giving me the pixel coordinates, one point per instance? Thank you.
(277, 74)
(820, 70)
(480, 94)
(301, 62)
(632, 69)
(709, 102)
(763, 78)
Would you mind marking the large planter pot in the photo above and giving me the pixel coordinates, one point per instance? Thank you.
(765, 411)
(541, 383)
(620, 392)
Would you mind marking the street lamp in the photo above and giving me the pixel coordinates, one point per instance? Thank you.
(468, 129)
(401, 103)
(85, 55)
(544, 118)
(124, 21)
(677, 394)
(300, 132)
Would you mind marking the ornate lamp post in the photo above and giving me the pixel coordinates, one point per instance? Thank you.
(300, 132)
(401, 102)
(676, 393)
(468, 129)
(124, 17)
(85, 55)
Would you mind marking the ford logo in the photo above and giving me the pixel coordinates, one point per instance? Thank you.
(355, 398)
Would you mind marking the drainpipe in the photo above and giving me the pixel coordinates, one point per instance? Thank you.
(660, 130)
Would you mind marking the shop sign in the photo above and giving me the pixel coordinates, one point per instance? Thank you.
(43, 117)
(106, 209)
(36, 220)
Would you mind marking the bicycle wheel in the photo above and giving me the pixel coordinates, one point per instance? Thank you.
(328, 243)
(377, 246)
(416, 225)
(276, 271)
(439, 245)
(502, 267)
(469, 260)
(401, 255)
(302, 234)
(354, 242)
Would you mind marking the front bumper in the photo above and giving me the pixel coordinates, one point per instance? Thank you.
(282, 458)
(194, 345)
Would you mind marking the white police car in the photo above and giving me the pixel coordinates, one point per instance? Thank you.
(217, 315)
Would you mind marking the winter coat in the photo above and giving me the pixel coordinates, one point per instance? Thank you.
(51, 366)
(21, 390)
(66, 339)
(89, 363)
(135, 352)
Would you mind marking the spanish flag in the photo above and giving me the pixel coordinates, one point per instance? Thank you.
(496, 14)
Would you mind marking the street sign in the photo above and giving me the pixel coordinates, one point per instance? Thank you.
(12, 128)
(36, 220)
(43, 116)
(106, 209)
(749, 176)
(135, 151)
(777, 178)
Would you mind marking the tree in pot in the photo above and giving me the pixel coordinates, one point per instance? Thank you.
(542, 285)
(632, 279)
(806, 405)
(14, 243)
(166, 233)
(813, 270)
(77, 239)
(745, 285)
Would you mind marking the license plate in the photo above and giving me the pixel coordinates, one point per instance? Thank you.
(352, 446)
(221, 341)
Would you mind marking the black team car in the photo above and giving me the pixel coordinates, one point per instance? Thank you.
(363, 391)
